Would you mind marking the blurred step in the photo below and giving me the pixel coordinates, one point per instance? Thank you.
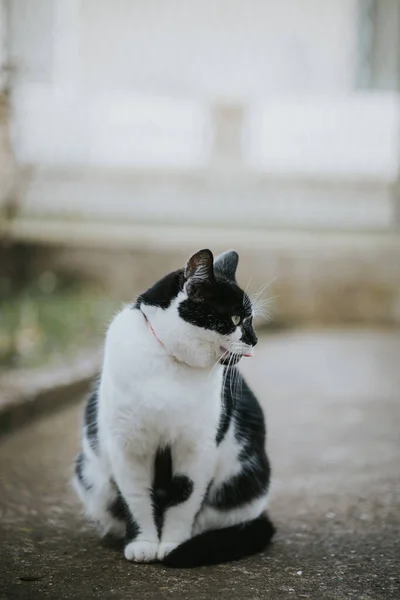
(313, 276)
(204, 197)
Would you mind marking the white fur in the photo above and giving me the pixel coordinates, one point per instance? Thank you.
(154, 394)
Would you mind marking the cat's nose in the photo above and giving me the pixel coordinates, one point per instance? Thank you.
(249, 338)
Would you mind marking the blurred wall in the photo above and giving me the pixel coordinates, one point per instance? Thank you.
(270, 90)
(150, 125)
(99, 81)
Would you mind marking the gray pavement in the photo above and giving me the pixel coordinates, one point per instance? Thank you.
(333, 405)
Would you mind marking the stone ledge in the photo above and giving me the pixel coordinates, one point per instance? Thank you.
(140, 236)
(201, 197)
(320, 277)
(25, 394)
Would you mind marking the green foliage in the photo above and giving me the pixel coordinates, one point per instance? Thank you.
(49, 319)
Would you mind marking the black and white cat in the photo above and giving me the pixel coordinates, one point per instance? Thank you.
(173, 454)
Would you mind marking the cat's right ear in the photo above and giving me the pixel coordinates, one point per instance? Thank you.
(199, 271)
(226, 264)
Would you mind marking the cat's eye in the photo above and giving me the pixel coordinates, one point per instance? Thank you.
(235, 319)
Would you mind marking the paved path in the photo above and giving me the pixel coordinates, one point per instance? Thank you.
(333, 402)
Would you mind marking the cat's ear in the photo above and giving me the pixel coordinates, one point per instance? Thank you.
(226, 264)
(199, 271)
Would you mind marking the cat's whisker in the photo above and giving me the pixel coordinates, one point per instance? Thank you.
(264, 317)
(225, 377)
(246, 299)
(220, 358)
(262, 289)
(239, 381)
(228, 367)
(268, 300)
(262, 307)
(266, 285)
(227, 351)
(262, 311)
(234, 377)
(232, 371)
(247, 302)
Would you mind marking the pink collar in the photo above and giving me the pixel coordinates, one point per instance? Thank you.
(149, 325)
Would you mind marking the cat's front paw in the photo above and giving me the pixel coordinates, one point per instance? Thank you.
(165, 548)
(141, 551)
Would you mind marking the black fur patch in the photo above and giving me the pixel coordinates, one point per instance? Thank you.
(164, 291)
(161, 482)
(214, 305)
(249, 484)
(221, 545)
(248, 415)
(227, 408)
(119, 509)
(180, 490)
(90, 419)
(79, 470)
(249, 427)
(168, 489)
(132, 529)
(248, 333)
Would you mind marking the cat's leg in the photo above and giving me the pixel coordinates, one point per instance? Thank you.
(98, 494)
(193, 469)
(133, 475)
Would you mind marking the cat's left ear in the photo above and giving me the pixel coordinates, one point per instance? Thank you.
(226, 264)
(199, 270)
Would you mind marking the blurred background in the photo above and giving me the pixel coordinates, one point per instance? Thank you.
(133, 133)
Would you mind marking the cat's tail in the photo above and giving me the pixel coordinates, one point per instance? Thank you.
(221, 545)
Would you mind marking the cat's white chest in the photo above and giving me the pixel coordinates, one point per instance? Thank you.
(147, 396)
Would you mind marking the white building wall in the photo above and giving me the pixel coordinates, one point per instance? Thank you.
(105, 86)
(3, 38)
(129, 83)
(225, 49)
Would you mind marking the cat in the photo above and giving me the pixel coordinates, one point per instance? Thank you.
(173, 449)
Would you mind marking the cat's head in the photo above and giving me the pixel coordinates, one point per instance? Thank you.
(200, 314)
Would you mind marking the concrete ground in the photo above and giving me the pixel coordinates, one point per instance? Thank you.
(333, 405)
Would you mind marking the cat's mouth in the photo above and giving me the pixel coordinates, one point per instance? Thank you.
(231, 358)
